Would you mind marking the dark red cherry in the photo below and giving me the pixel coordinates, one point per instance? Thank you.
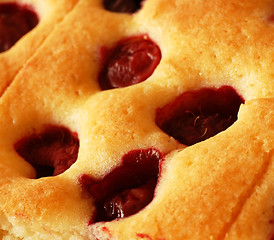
(15, 21)
(198, 115)
(50, 152)
(132, 61)
(128, 188)
(271, 18)
(122, 6)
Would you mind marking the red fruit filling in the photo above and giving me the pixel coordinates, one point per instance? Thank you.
(144, 236)
(132, 61)
(198, 115)
(128, 188)
(271, 18)
(15, 21)
(50, 152)
(122, 6)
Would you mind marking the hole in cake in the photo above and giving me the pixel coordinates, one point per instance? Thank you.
(131, 61)
(50, 152)
(198, 115)
(122, 6)
(15, 21)
(128, 188)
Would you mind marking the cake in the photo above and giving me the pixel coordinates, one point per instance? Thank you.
(139, 120)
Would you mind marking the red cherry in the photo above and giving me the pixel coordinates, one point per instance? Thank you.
(128, 188)
(198, 115)
(122, 6)
(15, 21)
(132, 61)
(50, 152)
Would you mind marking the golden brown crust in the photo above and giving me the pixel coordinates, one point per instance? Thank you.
(203, 190)
(50, 13)
(221, 188)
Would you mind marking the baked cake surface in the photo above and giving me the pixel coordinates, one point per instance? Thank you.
(180, 148)
(49, 13)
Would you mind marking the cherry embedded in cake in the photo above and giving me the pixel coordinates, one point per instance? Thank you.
(131, 61)
(145, 236)
(271, 18)
(122, 6)
(128, 188)
(198, 115)
(50, 152)
(15, 21)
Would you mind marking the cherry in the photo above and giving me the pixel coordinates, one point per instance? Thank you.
(50, 152)
(122, 6)
(271, 18)
(130, 62)
(198, 115)
(128, 188)
(15, 21)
